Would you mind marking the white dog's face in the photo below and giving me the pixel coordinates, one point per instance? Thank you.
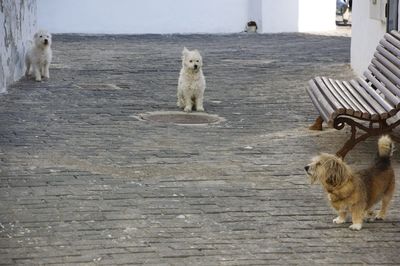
(191, 59)
(42, 38)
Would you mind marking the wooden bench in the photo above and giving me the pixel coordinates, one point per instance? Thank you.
(369, 103)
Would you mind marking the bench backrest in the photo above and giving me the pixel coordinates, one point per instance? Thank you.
(384, 71)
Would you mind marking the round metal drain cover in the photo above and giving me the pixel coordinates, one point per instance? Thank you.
(181, 118)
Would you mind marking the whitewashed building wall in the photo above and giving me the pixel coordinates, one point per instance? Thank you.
(368, 27)
(184, 16)
(17, 26)
(141, 17)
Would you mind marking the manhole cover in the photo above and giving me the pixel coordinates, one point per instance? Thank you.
(181, 118)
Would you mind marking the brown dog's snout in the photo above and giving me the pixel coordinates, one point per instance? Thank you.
(306, 168)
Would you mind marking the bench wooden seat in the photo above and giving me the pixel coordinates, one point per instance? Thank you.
(372, 98)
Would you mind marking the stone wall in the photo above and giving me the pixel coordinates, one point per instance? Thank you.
(17, 26)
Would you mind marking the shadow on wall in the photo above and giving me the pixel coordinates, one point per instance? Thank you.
(18, 20)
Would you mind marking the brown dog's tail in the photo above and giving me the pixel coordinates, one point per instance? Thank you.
(385, 147)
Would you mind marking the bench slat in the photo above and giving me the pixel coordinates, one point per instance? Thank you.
(372, 114)
(348, 110)
(390, 47)
(343, 98)
(373, 76)
(392, 72)
(329, 109)
(390, 38)
(354, 97)
(375, 95)
(317, 105)
(371, 101)
(325, 109)
(359, 110)
(382, 75)
(395, 34)
(334, 103)
(392, 58)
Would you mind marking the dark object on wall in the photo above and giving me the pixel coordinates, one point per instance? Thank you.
(251, 26)
(392, 15)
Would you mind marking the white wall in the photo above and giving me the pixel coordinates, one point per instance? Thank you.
(298, 15)
(143, 16)
(184, 16)
(317, 15)
(366, 33)
(280, 16)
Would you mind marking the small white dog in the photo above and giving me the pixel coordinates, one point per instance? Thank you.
(38, 57)
(191, 83)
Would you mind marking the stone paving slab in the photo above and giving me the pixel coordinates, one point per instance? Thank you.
(84, 182)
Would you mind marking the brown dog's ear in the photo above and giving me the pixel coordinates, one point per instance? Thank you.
(332, 180)
(338, 173)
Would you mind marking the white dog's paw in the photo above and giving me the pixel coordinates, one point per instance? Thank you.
(38, 77)
(200, 109)
(356, 227)
(180, 105)
(187, 109)
(338, 220)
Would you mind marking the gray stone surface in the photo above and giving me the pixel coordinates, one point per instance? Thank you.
(83, 182)
(17, 26)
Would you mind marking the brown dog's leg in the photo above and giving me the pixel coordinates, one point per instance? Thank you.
(370, 215)
(357, 216)
(387, 197)
(317, 124)
(341, 218)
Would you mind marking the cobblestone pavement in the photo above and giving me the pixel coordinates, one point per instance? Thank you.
(84, 182)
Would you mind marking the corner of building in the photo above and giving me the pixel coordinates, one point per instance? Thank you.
(17, 26)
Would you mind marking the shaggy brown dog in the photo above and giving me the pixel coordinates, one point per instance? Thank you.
(357, 192)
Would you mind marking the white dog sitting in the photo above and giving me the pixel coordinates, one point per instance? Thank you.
(38, 57)
(191, 84)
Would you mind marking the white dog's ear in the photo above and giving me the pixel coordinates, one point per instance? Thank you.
(185, 51)
(36, 35)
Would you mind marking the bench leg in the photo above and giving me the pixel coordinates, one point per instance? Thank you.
(349, 145)
(382, 129)
(317, 124)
